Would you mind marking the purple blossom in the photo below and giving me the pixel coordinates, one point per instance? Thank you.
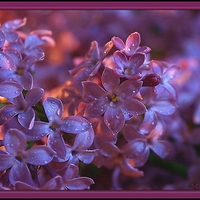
(117, 101)
(72, 124)
(131, 46)
(16, 156)
(94, 59)
(22, 108)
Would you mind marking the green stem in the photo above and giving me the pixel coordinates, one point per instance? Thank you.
(171, 166)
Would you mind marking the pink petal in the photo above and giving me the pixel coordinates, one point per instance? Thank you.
(132, 43)
(118, 43)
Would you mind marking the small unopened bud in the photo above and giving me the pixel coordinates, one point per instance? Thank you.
(151, 80)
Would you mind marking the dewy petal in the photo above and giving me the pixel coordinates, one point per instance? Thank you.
(39, 155)
(134, 148)
(11, 36)
(92, 90)
(129, 88)
(171, 73)
(109, 79)
(84, 140)
(114, 119)
(33, 96)
(164, 107)
(6, 160)
(15, 54)
(134, 107)
(70, 172)
(7, 112)
(149, 122)
(53, 107)
(105, 50)
(14, 141)
(57, 143)
(81, 183)
(6, 74)
(118, 42)
(95, 109)
(161, 148)
(7, 61)
(27, 118)
(10, 89)
(20, 172)
(75, 124)
(132, 43)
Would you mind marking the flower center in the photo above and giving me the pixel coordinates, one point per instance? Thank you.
(19, 157)
(20, 71)
(128, 71)
(113, 98)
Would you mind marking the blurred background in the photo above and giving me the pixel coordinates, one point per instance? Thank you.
(172, 35)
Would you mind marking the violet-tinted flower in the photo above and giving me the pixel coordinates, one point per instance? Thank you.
(22, 107)
(16, 156)
(153, 140)
(94, 59)
(72, 180)
(21, 70)
(72, 124)
(9, 29)
(54, 183)
(123, 157)
(131, 46)
(117, 101)
(128, 67)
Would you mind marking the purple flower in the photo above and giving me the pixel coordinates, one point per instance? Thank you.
(152, 140)
(123, 157)
(22, 107)
(20, 71)
(117, 101)
(72, 124)
(131, 46)
(9, 29)
(94, 59)
(128, 67)
(16, 156)
(72, 180)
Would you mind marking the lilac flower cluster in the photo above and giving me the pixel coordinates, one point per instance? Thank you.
(111, 113)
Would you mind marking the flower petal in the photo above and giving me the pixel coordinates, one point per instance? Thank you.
(55, 183)
(114, 119)
(39, 155)
(95, 109)
(120, 59)
(6, 160)
(75, 124)
(132, 43)
(33, 96)
(118, 42)
(14, 141)
(10, 89)
(2, 38)
(93, 52)
(26, 80)
(84, 140)
(81, 183)
(87, 156)
(7, 61)
(109, 80)
(53, 107)
(27, 118)
(19, 185)
(7, 112)
(129, 88)
(134, 107)
(105, 50)
(57, 143)
(136, 60)
(92, 90)
(20, 172)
